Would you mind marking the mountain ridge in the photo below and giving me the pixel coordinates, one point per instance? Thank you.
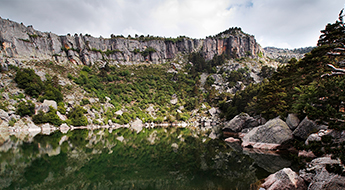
(24, 42)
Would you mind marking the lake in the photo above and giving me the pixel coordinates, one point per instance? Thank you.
(160, 158)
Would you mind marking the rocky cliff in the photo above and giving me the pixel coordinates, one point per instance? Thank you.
(24, 42)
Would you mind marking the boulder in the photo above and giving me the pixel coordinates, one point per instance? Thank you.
(319, 177)
(45, 106)
(213, 111)
(119, 112)
(305, 128)
(292, 121)
(4, 115)
(62, 117)
(231, 139)
(5, 95)
(317, 136)
(173, 101)
(240, 122)
(284, 179)
(4, 133)
(120, 138)
(51, 103)
(272, 135)
(308, 154)
(339, 136)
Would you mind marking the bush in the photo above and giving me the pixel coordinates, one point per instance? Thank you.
(87, 69)
(28, 80)
(52, 93)
(147, 51)
(77, 116)
(84, 101)
(61, 108)
(49, 117)
(70, 76)
(26, 108)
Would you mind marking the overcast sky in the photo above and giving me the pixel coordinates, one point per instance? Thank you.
(279, 23)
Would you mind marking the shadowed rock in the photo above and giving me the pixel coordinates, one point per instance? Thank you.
(292, 121)
(240, 122)
(319, 177)
(272, 135)
(305, 128)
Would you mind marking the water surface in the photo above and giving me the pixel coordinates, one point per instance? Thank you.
(162, 158)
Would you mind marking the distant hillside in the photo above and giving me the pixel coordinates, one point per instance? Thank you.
(284, 55)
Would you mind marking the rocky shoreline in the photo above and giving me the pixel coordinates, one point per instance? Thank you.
(276, 135)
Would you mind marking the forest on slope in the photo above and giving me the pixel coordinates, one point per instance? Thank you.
(301, 86)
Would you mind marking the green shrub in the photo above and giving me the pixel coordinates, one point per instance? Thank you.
(147, 51)
(87, 69)
(84, 101)
(77, 116)
(49, 117)
(12, 122)
(3, 106)
(26, 108)
(28, 80)
(69, 75)
(61, 108)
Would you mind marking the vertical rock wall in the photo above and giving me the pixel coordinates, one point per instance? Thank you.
(21, 42)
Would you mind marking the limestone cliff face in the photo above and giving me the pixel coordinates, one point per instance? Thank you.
(21, 42)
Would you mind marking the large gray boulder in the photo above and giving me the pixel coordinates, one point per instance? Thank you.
(319, 178)
(45, 106)
(284, 179)
(51, 103)
(240, 122)
(272, 135)
(292, 121)
(305, 128)
(4, 115)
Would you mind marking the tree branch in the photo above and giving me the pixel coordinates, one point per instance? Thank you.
(335, 71)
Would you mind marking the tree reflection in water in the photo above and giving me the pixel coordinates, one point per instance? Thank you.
(161, 158)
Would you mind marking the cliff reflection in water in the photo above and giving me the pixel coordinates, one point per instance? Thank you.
(162, 158)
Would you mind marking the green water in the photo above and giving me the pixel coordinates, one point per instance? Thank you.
(176, 159)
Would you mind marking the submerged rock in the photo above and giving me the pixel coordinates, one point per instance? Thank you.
(174, 146)
(152, 137)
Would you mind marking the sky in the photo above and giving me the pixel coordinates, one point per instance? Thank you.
(279, 23)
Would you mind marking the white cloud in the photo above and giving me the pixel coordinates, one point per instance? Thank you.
(280, 23)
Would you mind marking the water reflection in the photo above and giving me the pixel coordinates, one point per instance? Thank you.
(161, 158)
